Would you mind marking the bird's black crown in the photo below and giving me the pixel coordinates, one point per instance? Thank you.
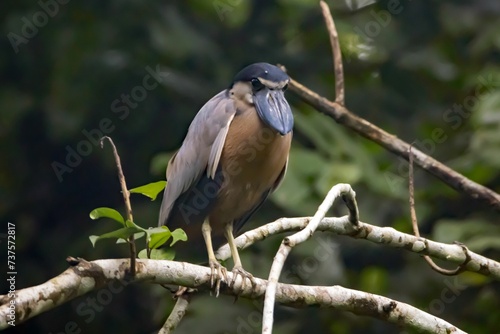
(261, 70)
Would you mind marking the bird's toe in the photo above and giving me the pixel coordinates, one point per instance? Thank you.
(218, 274)
(239, 271)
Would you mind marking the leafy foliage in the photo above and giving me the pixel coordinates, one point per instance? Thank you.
(155, 237)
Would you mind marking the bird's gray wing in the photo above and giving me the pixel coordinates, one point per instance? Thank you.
(200, 152)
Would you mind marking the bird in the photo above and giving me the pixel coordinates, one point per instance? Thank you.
(234, 155)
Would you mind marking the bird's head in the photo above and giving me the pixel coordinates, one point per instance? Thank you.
(264, 86)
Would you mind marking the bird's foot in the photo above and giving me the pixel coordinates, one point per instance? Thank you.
(218, 274)
(182, 290)
(239, 271)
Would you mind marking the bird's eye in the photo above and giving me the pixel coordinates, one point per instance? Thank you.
(285, 87)
(256, 84)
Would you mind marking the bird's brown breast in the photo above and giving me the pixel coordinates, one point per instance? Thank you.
(252, 159)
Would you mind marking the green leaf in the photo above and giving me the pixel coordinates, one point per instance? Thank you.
(158, 254)
(93, 239)
(178, 235)
(107, 213)
(129, 223)
(122, 233)
(136, 236)
(158, 236)
(143, 254)
(150, 190)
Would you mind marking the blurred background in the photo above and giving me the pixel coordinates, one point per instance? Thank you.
(426, 71)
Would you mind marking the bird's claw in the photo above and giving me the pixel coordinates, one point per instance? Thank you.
(239, 271)
(182, 290)
(218, 274)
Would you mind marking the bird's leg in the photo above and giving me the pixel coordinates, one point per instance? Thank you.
(238, 268)
(217, 270)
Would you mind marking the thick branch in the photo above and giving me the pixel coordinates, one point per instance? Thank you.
(345, 117)
(455, 254)
(88, 276)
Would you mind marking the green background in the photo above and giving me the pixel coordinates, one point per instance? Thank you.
(426, 71)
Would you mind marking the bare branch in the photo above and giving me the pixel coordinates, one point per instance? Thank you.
(343, 116)
(126, 200)
(288, 243)
(176, 315)
(388, 236)
(88, 276)
(368, 130)
(337, 55)
(414, 224)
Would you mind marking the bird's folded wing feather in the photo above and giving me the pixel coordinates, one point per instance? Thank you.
(200, 152)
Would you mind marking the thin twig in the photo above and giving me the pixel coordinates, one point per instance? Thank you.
(339, 190)
(126, 200)
(337, 55)
(176, 315)
(368, 130)
(414, 223)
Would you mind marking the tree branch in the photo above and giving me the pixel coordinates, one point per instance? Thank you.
(342, 115)
(337, 55)
(414, 224)
(288, 243)
(88, 276)
(126, 200)
(176, 315)
(85, 276)
(390, 142)
(380, 235)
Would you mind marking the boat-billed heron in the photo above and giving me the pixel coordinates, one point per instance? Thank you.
(234, 155)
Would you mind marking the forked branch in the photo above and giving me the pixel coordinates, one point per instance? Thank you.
(340, 190)
(345, 117)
